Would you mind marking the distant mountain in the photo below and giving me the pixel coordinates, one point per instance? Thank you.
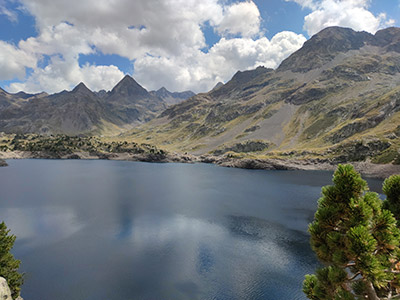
(338, 94)
(132, 103)
(172, 98)
(79, 111)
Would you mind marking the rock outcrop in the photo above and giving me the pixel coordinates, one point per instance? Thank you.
(3, 164)
(5, 293)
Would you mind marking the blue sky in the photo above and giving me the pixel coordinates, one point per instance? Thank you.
(51, 45)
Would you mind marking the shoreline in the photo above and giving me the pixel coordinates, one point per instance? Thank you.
(366, 168)
(3, 163)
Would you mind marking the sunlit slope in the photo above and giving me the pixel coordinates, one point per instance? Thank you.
(341, 88)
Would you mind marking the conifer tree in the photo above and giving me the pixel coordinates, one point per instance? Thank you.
(357, 241)
(8, 264)
(391, 188)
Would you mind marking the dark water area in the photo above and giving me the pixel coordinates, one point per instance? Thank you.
(94, 230)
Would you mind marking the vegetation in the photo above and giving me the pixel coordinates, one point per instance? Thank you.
(63, 144)
(356, 239)
(8, 264)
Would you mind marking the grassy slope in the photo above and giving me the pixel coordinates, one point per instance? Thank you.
(302, 113)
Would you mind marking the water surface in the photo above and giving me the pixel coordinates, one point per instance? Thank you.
(93, 230)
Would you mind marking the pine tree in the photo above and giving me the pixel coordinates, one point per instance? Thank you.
(357, 241)
(391, 188)
(8, 264)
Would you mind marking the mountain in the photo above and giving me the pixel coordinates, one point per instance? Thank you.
(339, 95)
(172, 98)
(79, 111)
(131, 103)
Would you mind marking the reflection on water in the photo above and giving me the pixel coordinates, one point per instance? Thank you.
(34, 226)
(119, 230)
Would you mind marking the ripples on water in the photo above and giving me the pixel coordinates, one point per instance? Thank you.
(122, 230)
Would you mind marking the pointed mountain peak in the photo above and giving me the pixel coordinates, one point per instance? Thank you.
(81, 88)
(129, 87)
(127, 79)
(162, 90)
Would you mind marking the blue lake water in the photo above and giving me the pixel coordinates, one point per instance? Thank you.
(94, 230)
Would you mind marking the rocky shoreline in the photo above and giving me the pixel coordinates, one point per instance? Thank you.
(366, 168)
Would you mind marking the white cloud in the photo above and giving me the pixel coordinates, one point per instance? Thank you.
(241, 18)
(13, 62)
(201, 71)
(65, 73)
(346, 13)
(162, 38)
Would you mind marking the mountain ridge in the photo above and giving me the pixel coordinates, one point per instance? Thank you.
(79, 111)
(338, 97)
(317, 101)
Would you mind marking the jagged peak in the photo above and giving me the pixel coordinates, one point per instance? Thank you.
(127, 78)
(81, 87)
(128, 83)
(162, 90)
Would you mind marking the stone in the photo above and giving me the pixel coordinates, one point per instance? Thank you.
(5, 293)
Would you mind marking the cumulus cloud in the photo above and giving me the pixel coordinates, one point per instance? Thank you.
(164, 40)
(201, 71)
(347, 13)
(241, 18)
(13, 61)
(64, 73)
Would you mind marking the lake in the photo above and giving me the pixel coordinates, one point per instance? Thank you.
(112, 230)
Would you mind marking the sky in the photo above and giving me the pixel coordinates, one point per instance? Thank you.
(52, 45)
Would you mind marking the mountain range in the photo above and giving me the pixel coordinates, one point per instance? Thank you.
(82, 111)
(339, 95)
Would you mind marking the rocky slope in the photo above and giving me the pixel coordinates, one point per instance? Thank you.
(172, 98)
(336, 97)
(131, 103)
(79, 111)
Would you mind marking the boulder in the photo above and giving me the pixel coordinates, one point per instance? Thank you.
(5, 293)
